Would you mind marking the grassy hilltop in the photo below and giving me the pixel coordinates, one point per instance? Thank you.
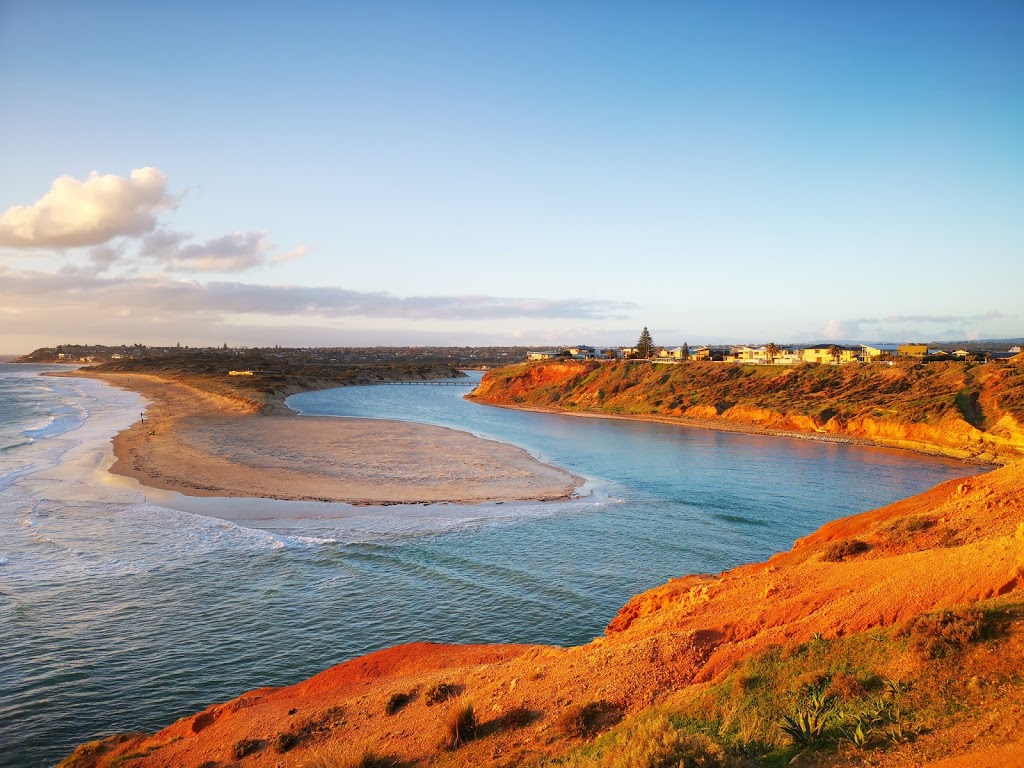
(955, 408)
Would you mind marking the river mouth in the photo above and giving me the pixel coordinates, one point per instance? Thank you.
(121, 612)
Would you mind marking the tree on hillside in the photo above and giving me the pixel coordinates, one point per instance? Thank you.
(686, 352)
(645, 346)
(771, 351)
(836, 352)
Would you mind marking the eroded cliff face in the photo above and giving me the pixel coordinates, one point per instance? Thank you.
(949, 548)
(953, 409)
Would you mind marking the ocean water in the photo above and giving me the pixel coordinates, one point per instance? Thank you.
(124, 610)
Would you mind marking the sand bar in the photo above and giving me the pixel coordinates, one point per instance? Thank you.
(200, 444)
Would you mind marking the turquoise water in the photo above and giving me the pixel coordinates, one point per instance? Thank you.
(124, 611)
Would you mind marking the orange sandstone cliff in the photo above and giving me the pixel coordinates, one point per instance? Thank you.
(955, 409)
(905, 624)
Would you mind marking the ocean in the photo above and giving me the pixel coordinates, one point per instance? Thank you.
(124, 610)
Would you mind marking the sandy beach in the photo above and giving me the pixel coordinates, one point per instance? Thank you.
(200, 444)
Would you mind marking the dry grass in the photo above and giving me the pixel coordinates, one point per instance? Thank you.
(652, 742)
(349, 756)
(459, 725)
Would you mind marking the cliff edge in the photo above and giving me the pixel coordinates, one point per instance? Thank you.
(954, 409)
(889, 638)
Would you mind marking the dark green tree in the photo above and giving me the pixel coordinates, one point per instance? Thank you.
(686, 351)
(645, 346)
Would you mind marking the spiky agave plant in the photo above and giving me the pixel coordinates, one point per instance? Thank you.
(857, 734)
(806, 728)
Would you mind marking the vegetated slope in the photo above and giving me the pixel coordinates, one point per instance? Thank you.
(275, 379)
(958, 409)
(890, 638)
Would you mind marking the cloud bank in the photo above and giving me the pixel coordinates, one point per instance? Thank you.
(923, 327)
(127, 295)
(91, 212)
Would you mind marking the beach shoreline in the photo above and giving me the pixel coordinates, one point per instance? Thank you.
(201, 444)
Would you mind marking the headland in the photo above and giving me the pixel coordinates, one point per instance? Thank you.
(963, 411)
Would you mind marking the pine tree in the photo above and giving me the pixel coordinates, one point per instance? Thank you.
(645, 346)
(686, 351)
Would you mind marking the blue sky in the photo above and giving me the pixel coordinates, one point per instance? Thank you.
(534, 173)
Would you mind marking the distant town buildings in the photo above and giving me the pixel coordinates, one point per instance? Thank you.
(775, 354)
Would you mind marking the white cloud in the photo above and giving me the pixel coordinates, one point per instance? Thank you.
(839, 330)
(91, 212)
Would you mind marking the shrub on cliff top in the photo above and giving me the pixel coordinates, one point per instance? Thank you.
(841, 550)
(397, 701)
(435, 694)
(935, 635)
(245, 747)
(579, 720)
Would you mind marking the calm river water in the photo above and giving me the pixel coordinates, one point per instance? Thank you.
(120, 611)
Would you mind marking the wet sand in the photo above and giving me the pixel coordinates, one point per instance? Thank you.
(200, 444)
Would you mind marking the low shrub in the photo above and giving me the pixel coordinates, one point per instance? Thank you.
(841, 550)
(935, 635)
(845, 686)
(578, 720)
(245, 747)
(396, 702)
(440, 692)
(286, 741)
(314, 728)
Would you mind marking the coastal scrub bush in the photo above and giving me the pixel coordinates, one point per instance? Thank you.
(314, 728)
(459, 725)
(841, 550)
(934, 635)
(578, 720)
(440, 692)
(397, 701)
(286, 741)
(245, 747)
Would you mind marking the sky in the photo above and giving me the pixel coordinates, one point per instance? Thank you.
(535, 173)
